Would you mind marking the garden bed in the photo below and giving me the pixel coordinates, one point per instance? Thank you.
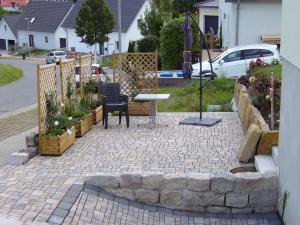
(56, 145)
(139, 108)
(85, 125)
(97, 114)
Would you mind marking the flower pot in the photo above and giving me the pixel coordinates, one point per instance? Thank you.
(139, 108)
(56, 145)
(97, 114)
(85, 125)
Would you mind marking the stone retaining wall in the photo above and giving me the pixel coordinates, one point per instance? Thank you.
(215, 193)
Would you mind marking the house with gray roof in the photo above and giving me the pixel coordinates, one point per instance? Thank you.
(132, 11)
(8, 31)
(39, 26)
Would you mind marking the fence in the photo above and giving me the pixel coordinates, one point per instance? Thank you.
(67, 77)
(46, 83)
(85, 63)
(136, 72)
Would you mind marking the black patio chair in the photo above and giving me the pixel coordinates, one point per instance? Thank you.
(112, 101)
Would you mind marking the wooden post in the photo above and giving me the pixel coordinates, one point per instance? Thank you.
(39, 103)
(61, 81)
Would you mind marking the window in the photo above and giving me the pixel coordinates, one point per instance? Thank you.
(252, 54)
(46, 39)
(5, 28)
(117, 45)
(234, 56)
(266, 53)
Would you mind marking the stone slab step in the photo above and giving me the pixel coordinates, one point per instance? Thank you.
(275, 155)
(265, 163)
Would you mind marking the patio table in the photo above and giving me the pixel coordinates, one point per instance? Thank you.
(151, 98)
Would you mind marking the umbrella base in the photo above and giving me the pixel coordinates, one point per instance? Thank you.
(195, 121)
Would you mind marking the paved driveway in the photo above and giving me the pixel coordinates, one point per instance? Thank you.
(22, 92)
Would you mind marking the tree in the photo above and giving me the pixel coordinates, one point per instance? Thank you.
(148, 44)
(159, 13)
(182, 5)
(94, 22)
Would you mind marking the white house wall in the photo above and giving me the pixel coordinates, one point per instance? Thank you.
(256, 19)
(289, 142)
(59, 33)
(39, 39)
(8, 34)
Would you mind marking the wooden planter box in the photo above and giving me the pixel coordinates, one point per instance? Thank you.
(56, 145)
(97, 114)
(85, 125)
(139, 108)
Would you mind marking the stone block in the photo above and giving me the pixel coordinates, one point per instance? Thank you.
(196, 199)
(152, 181)
(130, 181)
(172, 199)
(146, 196)
(246, 116)
(265, 209)
(222, 182)
(264, 163)
(241, 210)
(30, 140)
(191, 199)
(104, 180)
(271, 181)
(248, 182)
(18, 158)
(124, 193)
(175, 183)
(237, 200)
(218, 209)
(247, 148)
(198, 181)
(263, 198)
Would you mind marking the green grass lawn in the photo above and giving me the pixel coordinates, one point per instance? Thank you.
(9, 74)
(34, 52)
(276, 69)
(186, 99)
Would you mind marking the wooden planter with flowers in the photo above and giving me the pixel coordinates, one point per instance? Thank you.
(97, 114)
(84, 125)
(57, 145)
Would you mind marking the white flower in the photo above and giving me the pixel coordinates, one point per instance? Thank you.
(69, 131)
(62, 104)
(278, 121)
(268, 97)
(56, 123)
(70, 118)
(252, 79)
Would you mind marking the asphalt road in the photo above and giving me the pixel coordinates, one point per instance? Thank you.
(21, 93)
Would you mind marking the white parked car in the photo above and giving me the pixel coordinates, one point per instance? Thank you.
(55, 56)
(235, 62)
(97, 73)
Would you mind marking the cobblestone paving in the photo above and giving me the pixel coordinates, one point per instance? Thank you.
(94, 207)
(32, 191)
(17, 123)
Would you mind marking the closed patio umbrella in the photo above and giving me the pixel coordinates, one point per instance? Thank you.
(187, 53)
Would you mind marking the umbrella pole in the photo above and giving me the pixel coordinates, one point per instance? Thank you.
(200, 78)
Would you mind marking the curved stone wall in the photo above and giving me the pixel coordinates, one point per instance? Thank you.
(198, 192)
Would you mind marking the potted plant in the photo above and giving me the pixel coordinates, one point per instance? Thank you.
(60, 132)
(92, 100)
(77, 109)
(137, 85)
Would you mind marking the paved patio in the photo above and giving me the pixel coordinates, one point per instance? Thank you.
(31, 192)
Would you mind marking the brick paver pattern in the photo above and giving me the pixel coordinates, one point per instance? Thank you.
(32, 191)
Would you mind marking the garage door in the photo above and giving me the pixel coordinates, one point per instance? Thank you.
(2, 44)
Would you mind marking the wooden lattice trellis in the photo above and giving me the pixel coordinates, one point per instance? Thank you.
(46, 83)
(85, 63)
(67, 74)
(136, 72)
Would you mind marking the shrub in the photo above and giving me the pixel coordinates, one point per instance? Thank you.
(171, 43)
(149, 43)
(131, 46)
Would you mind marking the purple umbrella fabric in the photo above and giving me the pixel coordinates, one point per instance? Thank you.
(187, 53)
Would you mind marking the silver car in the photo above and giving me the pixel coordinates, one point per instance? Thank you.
(55, 56)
